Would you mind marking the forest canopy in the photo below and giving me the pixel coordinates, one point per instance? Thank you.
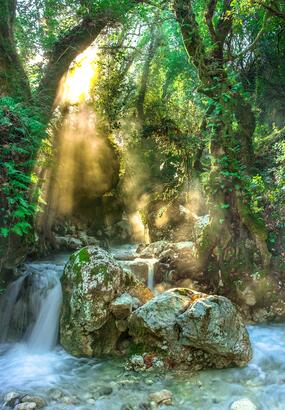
(158, 110)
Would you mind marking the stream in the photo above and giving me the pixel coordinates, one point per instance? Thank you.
(38, 366)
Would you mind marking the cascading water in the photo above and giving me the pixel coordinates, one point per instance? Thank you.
(150, 262)
(127, 256)
(29, 311)
(150, 277)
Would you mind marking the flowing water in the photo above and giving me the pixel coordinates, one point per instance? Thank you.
(122, 253)
(31, 307)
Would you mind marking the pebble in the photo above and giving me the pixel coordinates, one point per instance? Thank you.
(105, 391)
(161, 397)
(157, 364)
(91, 401)
(68, 400)
(243, 404)
(55, 394)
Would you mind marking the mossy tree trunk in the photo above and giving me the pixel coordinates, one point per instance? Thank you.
(235, 237)
(13, 79)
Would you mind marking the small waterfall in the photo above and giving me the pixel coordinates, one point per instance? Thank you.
(150, 277)
(44, 333)
(30, 309)
(130, 265)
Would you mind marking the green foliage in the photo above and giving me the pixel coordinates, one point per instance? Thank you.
(21, 133)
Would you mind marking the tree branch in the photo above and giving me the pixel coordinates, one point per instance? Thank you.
(274, 11)
(190, 31)
(253, 44)
(224, 24)
(69, 46)
(209, 14)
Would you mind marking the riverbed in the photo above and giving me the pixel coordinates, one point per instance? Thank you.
(67, 383)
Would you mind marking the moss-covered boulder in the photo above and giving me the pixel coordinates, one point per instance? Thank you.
(92, 281)
(192, 330)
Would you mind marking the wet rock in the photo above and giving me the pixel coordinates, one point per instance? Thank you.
(146, 406)
(40, 402)
(122, 325)
(26, 406)
(127, 407)
(123, 305)
(247, 295)
(192, 329)
(139, 269)
(55, 394)
(136, 363)
(154, 249)
(125, 257)
(243, 404)
(96, 293)
(214, 325)
(12, 398)
(161, 397)
(176, 262)
(70, 242)
(75, 243)
(105, 391)
(68, 400)
(90, 401)
(61, 242)
(158, 364)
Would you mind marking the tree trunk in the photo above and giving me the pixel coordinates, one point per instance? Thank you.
(145, 76)
(13, 79)
(234, 236)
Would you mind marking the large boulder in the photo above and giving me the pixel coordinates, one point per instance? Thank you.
(192, 330)
(108, 311)
(93, 284)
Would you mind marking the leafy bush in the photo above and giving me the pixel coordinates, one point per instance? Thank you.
(21, 136)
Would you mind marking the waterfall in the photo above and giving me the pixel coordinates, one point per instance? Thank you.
(44, 333)
(30, 309)
(150, 277)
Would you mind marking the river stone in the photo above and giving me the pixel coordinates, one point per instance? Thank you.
(213, 324)
(12, 398)
(161, 397)
(154, 249)
(139, 269)
(92, 281)
(123, 305)
(26, 406)
(243, 404)
(34, 399)
(192, 330)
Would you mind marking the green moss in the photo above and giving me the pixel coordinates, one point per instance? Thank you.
(83, 255)
(255, 225)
